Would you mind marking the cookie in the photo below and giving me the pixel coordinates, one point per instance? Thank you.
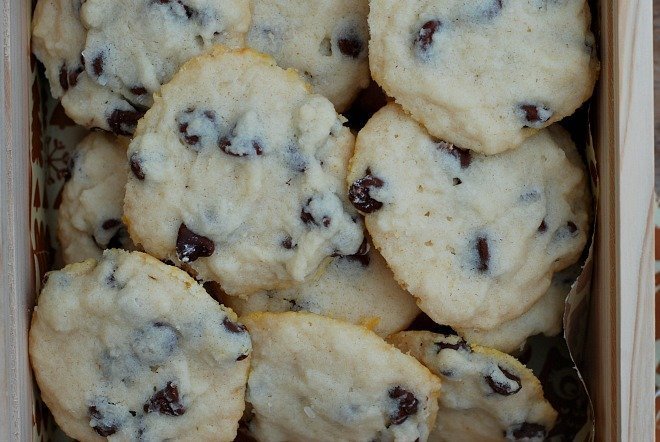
(325, 41)
(105, 59)
(238, 173)
(129, 348)
(475, 238)
(486, 395)
(358, 288)
(484, 75)
(315, 378)
(545, 317)
(90, 214)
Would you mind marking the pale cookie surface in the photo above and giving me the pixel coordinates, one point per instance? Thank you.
(486, 395)
(89, 219)
(132, 349)
(105, 58)
(484, 75)
(238, 172)
(545, 316)
(314, 378)
(325, 41)
(476, 239)
(357, 288)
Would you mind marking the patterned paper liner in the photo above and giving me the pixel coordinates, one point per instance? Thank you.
(52, 139)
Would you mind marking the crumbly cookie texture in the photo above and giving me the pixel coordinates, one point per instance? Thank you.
(105, 58)
(129, 348)
(484, 75)
(238, 172)
(486, 395)
(89, 219)
(359, 288)
(545, 317)
(325, 41)
(475, 238)
(315, 378)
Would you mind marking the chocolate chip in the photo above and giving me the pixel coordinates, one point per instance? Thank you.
(123, 122)
(103, 426)
(534, 115)
(350, 45)
(136, 166)
(424, 38)
(526, 430)
(505, 389)
(457, 181)
(165, 401)
(225, 145)
(359, 193)
(287, 243)
(190, 246)
(241, 357)
(64, 77)
(458, 346)
(138, 90)
(407, 405)
(233, 327)
(307, 217)
(110, 224)
(484, 254)
(198, 128)
(464, 156)
(97, 65)
(543, 227)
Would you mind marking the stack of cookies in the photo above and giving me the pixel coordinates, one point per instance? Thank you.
(244, 259)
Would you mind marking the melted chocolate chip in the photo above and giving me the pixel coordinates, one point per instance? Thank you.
(535, 115)
(307, 217)
(287, 243)
(233, 327)
(198, 128)
(424, 38)
(484, 254)
(505, 389)
(350, 45)
(458, 346)
(225, 146)
(136, 166)
(526, 430)
(123, 122)
(464, 156)
(190, 246)
(110, 224)
(407, 405)
(103, 427)
(97, 65)
(165, 401)
(138, 90)
(543, 227)
(359, 193)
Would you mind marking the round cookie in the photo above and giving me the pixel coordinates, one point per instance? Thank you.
(131, 348)
(486, 395)
(238, 173)
(315, 378)
(325, 41)
(358, 288)
(89, 219)
(475, 238)
(546, 317)
(484, 75)
(105, 58)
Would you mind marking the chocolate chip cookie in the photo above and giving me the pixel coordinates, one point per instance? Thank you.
(357, 288)
(486, 395)
(105, 58)
(315, 378)
(487, 74)
(89, 219)
(129, 348)
(238, 174)
(325, 41)
(475, 238)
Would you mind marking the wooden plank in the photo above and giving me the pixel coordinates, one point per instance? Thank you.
(16, 290)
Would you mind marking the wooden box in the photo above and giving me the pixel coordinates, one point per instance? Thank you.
(619, 368)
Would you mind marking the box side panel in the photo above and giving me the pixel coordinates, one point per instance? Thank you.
(16, 261)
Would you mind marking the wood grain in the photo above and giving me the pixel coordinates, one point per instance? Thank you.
(16, 290)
